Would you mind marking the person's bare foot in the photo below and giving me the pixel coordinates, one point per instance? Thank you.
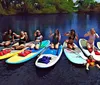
(87, 68)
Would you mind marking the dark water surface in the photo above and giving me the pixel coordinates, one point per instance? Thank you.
(64, 72)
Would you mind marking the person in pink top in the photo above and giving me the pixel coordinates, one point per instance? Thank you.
(92, 36)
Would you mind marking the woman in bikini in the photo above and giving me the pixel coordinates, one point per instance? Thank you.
(8, 38)
(71, 37)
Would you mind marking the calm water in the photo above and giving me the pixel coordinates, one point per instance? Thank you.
(64, 72)
(64, 22)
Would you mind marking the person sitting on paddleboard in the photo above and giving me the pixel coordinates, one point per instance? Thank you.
(92, 36)
(55, 39)
(92, 62)
(38, 39)
(71, 37)
(8, 38)
(23, 37)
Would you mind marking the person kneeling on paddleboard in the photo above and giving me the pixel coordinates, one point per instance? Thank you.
(92, 62)
(22, 40)
(55, 39)
(90, 43)
(71, 37)
(38, 40)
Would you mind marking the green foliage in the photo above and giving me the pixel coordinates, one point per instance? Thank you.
(2, 11)
(48, 6)
(49, 9)
(64, 6)
(29, 5)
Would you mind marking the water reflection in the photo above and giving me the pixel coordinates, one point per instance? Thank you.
(64, 22)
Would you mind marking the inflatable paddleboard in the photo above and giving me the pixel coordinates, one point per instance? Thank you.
(12, 52)
(21, 59)
(98, 45)
(49, 57)
(82, 43)
(75, 56)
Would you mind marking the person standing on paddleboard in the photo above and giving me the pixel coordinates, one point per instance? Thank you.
(92, 36)
(55, 39)
(71, 37)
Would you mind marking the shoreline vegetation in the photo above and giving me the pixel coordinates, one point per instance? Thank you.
(14, 7)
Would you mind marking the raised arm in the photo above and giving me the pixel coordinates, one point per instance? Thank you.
(51, 34)
(87, 34)
(97, 36)
(4, 33)
(16, 35)
(76, 37)
(67, 34)
(35, 34)
(26, 36)
(59, 37)
(13, 38)
(41, 38)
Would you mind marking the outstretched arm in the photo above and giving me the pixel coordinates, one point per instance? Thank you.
(98, 66)
(18, 36)
(67, 34)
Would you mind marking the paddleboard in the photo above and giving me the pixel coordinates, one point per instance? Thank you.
(21, 59)
(76, 56)
(54, 54)
(82, 43)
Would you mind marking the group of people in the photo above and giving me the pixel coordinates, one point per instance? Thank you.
(56, 37)
(18, 41)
